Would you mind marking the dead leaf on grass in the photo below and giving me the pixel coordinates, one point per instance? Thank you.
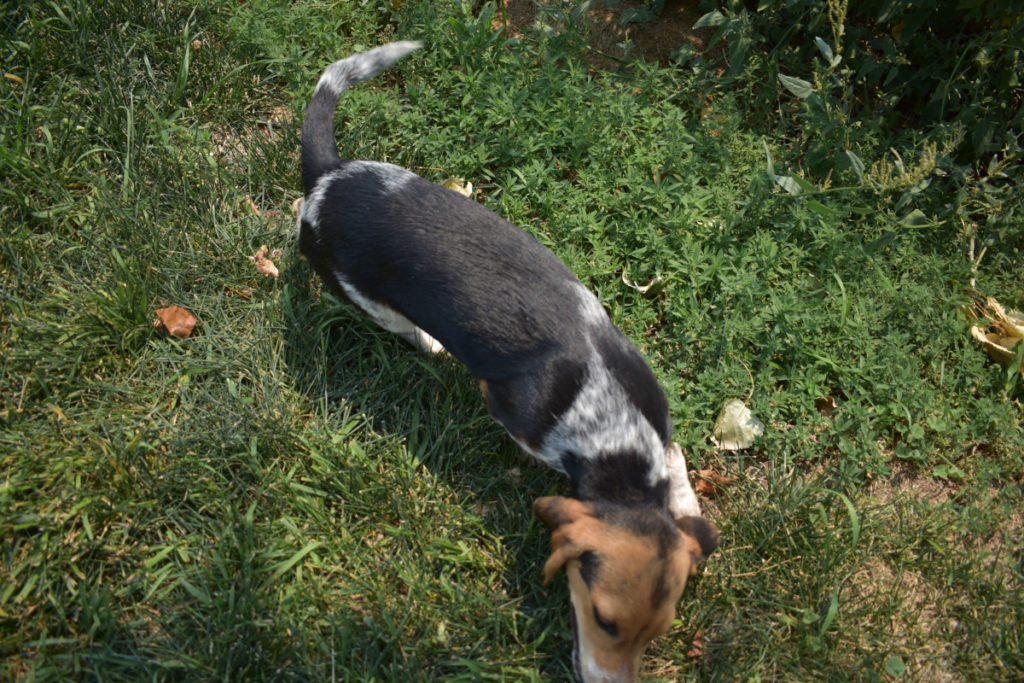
(736, 427)
(264, 265)
(711, 483)
(826, 406)
(174, 321)
(696, 650)
(459, 185)
(999, 331)
(652, 288)
(252, 205)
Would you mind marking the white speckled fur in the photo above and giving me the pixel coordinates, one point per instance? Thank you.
(342, 73)
(586, 428)
(603, 420)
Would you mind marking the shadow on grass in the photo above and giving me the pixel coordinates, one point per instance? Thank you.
(443, 499)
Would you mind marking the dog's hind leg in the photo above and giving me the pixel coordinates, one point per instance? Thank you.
(390, 319)
(393, 321)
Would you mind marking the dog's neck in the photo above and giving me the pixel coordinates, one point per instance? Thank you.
(626, 478)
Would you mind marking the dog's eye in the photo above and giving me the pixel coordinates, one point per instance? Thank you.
(589, 565)
(606, 626)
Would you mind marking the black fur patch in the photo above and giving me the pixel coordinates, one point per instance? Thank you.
(616, 478)
(529, 405)
(705, 534)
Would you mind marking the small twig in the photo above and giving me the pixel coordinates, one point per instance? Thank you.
(970, 255)
(21, 396)
(620, 60)
(749, 373)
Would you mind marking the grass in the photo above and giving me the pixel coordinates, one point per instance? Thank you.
(294, 494)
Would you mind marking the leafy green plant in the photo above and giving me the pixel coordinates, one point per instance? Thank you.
(852, 71)
(892, 58)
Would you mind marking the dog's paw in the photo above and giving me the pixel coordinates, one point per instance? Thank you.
(424, 342)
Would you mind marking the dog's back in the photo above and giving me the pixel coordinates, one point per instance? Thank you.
(494, 297)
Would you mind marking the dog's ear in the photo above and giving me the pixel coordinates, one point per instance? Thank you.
(563, 516)
(556, 511)
(562, 550)
(700, 536)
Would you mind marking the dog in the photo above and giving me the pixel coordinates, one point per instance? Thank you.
(448, 275)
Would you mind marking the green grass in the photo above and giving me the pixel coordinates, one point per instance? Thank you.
(294, 494)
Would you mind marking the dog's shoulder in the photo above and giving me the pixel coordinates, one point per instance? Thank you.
(627, 365)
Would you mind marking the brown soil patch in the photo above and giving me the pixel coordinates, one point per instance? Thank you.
(921, 609)
(613, 43)
(907, 485)
(918, 623)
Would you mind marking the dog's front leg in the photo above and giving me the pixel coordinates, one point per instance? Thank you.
(682, 498)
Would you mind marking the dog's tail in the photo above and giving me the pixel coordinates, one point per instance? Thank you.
(319, 149)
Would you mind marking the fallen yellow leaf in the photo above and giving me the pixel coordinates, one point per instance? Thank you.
(1000, 330)
(736, 427)
(459, 185)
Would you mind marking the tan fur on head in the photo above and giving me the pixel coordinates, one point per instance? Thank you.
(626, 570)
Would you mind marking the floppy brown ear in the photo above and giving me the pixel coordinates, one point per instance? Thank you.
(560, 515)
(562, 550)
(700, 536)
(556, 511)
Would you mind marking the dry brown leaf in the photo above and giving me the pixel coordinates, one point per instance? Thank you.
(264, 265)
(696, 650)
(826, 406)
(175, 321)
(711, 483)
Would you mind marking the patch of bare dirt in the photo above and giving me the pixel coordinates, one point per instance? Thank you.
(612, 42)
(921, 610)
(906, 482)
(229, 146)
(907, 485)
(918, 621)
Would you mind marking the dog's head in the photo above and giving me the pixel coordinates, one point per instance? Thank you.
(626, 568)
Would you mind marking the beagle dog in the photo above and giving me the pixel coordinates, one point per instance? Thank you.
(449, 275)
